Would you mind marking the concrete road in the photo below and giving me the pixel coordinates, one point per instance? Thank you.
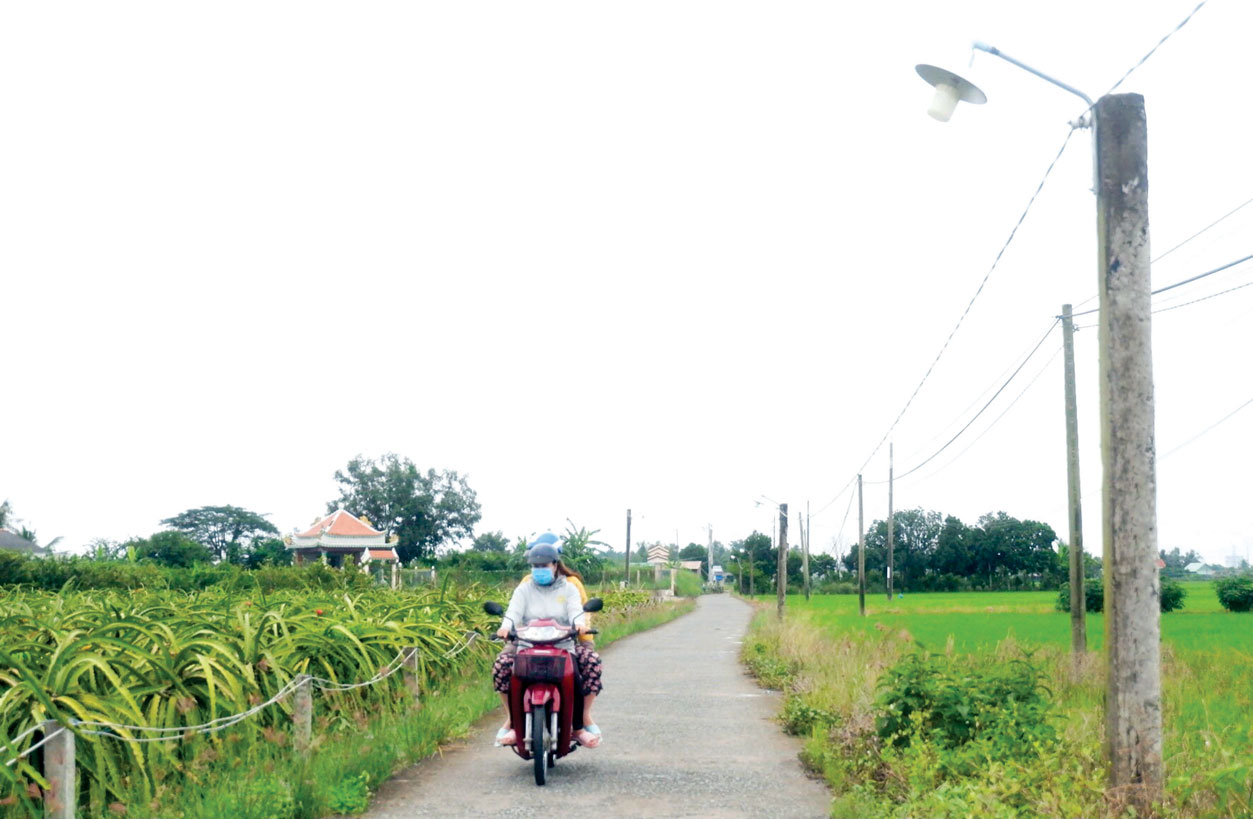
(687, 733)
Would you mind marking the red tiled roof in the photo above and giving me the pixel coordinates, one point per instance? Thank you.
(340, 523)
(383, 554)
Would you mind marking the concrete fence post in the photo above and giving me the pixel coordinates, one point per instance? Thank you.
(412, 681)
(302, 713)
(62, 795)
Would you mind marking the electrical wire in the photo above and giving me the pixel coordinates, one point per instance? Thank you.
(1212, 224)
(1004, 412)
(995, 262)
(1170, 452)
(1160, 43)
(982, 409)
(1203, 298)
(1189, 280)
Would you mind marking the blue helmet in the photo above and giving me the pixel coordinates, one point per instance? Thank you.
(546, 539)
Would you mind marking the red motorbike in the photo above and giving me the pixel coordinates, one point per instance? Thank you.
(543, 695)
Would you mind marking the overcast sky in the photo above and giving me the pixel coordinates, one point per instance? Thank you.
(666, 256)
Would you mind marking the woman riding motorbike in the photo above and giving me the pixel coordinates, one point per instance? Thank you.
(548, 594)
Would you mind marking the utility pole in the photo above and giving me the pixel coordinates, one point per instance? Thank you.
(891, 557)
(1133, 710)
(861, 553)
(709, 574)
(1078, 600)
(628, 549)
(805, 535)
(780, 581)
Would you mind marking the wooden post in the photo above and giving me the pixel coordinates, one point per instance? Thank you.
(1078, 599)
(891, 556)
(1129, 488)
(302, 714)
(61, 798)
(861, 553)
(781, 579)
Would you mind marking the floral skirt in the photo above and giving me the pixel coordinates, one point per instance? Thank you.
(587, 668)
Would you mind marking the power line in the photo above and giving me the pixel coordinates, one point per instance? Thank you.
(1207, 429)
(1204, 298)
(1160, 42)
(1212, 224)
(995, 262)
(997, 419)
(982, 410)
(1197, 277)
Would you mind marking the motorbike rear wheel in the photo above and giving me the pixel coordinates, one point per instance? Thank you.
(539, 724)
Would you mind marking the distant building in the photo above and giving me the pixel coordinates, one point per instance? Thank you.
(691, 565)
(1199, 569)
(16, 543)
(719, 574)
(342, 539)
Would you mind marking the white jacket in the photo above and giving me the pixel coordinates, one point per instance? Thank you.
(559, 601)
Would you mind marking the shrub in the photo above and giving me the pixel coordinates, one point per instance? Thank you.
(1093, 593)
(1235, 593)
(946, 702)
(1172, 595)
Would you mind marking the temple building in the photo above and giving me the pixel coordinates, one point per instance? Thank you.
(341, 540)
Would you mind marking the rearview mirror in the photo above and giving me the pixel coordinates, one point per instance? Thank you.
(593, 604)
(492, 607)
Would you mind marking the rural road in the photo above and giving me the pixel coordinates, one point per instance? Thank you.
(687, 733)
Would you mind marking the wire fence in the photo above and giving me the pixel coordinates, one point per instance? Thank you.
(120, 731)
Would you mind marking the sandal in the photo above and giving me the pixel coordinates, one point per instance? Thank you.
(588, 736)
(505, 736)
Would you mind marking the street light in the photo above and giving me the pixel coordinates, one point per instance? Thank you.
(1129, 475)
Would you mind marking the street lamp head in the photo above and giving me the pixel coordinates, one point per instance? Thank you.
(949, 90)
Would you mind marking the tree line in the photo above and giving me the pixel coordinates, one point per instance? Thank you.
(931, 552)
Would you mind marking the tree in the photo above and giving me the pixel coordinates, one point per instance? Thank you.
(169, 548)
(423, 510)
(268, 551)
(227, 531)
(6, 514)
(695, 551)
(490, 542)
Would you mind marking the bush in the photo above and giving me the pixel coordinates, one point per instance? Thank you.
(946, 702)
(1093, 593)
(1235, 593)
(1172, 595)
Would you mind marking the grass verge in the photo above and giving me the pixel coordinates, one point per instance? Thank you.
(839, 685)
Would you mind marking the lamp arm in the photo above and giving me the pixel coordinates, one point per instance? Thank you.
(996, 52)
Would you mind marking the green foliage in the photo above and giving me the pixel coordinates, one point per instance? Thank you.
(350, 796)
(226, 531)
(1172, 595)
(1235, 593)
(423, 510)
(799, 718)
(687, 584)
(490, 542)
(577, 551)
(1093, 595)
(950, 702)
(170, 548)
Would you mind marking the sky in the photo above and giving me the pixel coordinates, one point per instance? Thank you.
(662, 256)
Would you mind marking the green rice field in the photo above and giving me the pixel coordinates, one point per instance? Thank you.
(980, 620)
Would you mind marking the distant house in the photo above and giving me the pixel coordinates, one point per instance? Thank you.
(691, 565)
(1200, 569)
(342, 539)
(719, 574)
(16, 543)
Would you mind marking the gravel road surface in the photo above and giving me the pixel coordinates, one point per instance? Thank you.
(687, 733)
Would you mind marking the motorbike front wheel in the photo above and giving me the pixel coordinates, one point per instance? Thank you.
(539, 755)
